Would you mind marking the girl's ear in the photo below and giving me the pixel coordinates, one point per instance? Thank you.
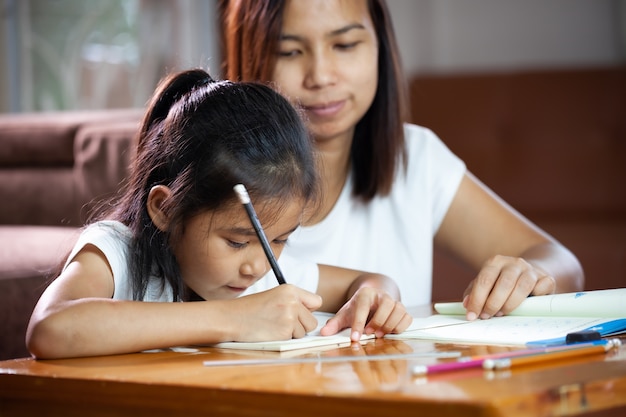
(158, 194)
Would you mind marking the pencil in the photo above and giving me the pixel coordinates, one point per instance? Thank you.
(481, 360)
(447, 366)
(242, 193)
(552, 355)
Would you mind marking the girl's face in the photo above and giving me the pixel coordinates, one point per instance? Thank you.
(220, 255)
(328, 63)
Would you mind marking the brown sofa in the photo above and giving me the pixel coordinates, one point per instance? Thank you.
(552, 144)
(53, 167)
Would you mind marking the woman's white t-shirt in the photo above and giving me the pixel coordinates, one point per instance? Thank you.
(392, 235)
(113, 238)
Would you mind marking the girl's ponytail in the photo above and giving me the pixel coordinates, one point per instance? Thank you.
(167, 93)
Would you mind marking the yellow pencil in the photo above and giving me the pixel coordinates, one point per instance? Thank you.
(601, 346)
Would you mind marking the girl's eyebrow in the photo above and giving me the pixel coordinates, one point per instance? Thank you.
(249, 231)
(337, 32)
(244, 231)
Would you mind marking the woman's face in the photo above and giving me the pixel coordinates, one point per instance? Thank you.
(328, 63)
(219, 254)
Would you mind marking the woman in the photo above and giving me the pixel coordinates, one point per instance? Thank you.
(391, 189)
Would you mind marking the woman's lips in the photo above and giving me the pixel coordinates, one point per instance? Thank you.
(326, 109)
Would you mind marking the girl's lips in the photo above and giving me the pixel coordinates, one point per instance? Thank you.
(236, 289)
(326, 109)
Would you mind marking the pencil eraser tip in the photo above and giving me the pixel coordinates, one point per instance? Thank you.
(489, 364)
(242, 193)
(420, 370)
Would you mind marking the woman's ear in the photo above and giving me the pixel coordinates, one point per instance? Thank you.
(158, 194)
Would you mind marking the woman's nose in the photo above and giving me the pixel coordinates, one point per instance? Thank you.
(320, 71)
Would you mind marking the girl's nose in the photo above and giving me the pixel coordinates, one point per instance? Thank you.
(255, 265)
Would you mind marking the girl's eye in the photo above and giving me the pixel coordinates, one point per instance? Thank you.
(236, 245)
(280, 242)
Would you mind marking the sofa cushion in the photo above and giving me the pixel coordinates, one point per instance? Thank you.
(103, 154)
(35, 140)
(33, 250)
(43, 196)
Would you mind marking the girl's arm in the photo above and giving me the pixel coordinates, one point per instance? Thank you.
(77, 317)
(367, 303)
(513, 257)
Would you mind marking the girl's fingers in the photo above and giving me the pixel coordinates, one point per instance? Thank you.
(332, 326)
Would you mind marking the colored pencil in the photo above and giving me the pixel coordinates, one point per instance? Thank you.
(553, 355)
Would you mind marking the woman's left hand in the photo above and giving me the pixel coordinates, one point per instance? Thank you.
(502, 284)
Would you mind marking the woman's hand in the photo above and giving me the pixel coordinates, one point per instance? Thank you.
(502, 284)
(370, 310)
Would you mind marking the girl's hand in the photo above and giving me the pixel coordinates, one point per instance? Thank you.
(370, 311)
(282, 313)
(502, 284)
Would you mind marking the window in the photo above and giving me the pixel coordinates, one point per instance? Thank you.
(93, 54)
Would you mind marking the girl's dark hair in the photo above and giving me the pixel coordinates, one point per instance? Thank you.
(252, 28)
(201, 137)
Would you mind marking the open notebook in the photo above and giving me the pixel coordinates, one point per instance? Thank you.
(311, 340)
(540, 320)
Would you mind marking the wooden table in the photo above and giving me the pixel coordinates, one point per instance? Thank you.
(170, 383)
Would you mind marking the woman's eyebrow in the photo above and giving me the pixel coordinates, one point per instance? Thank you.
(340, 31)
(347, 28)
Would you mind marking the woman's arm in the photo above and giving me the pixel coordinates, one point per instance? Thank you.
(513, 257)
(77, 317)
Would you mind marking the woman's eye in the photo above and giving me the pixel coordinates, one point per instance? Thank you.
(346, 46)
(280, 242)
(289, 53)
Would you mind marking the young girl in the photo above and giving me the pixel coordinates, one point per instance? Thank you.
(180, 234)
(390, 189)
